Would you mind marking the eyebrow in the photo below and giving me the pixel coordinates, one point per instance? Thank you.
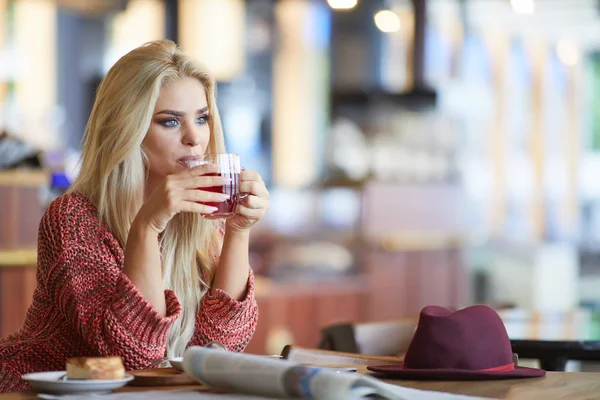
(179, 113)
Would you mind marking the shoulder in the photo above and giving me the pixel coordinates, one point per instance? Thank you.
(71, 204)
(71, 216)
(71, 225)
(71, 208)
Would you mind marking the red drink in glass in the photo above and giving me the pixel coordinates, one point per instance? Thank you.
(229, 168)
(224, 208)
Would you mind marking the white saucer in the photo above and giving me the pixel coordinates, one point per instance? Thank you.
(49, 382)
(177, 363)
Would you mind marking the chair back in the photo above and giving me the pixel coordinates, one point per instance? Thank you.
(386, 338)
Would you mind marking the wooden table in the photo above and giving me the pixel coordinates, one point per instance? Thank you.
(556, 385)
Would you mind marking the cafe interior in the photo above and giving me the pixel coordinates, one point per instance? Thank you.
(417, 152)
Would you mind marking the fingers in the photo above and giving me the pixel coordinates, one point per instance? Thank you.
(203, 170)
(256, 188)
(250, 176)
(179, 201)
(190, 206)
(253, 202)
(250, 213)
(204, 196)
(201, 182)
(252, 183)
(185, 187)
(207, 181)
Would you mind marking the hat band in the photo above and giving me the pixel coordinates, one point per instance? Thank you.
(507, 367)
(501, 368)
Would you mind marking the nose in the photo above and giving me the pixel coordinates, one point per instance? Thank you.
(192, 136)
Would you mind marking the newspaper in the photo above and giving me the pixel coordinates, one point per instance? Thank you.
(275, 378)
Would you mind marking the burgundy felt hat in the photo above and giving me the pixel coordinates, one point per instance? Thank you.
(469, 344)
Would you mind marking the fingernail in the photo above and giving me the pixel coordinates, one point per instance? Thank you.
(226, 180)
(225, 196)
(212, 209)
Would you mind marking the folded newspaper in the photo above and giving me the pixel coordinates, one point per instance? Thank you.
(275, 378)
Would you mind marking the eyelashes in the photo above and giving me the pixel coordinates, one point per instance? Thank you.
(175, 122)
(169, 123)
(203, 119)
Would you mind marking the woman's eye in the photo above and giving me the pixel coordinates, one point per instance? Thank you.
(169, 123)
(203, 119)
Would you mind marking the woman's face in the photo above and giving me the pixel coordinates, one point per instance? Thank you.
(179, 129)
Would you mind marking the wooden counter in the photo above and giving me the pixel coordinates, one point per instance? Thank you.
(21, 209)
(23, 178)
(18, 258)
(17, 284)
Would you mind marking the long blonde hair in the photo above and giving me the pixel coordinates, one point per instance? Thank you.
(113, 171)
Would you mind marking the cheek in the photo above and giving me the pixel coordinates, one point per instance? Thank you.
(158, 149)
(205, 138)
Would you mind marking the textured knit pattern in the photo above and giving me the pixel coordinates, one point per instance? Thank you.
(85, 306)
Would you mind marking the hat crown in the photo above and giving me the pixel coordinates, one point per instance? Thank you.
(473, 338)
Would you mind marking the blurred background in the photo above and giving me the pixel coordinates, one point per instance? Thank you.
(417, 152)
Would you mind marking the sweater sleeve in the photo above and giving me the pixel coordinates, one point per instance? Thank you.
(81, 263)
(223, 319)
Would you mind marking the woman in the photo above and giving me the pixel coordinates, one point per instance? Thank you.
(126, 264)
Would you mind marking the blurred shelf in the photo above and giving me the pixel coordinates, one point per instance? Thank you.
(18, 258)
(421, 241)
(340, 182)
(417, 99)
(24, 178)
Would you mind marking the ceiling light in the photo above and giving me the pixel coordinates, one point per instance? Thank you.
(342, 4)
(523, 6)
(387, 21)
(567, 52)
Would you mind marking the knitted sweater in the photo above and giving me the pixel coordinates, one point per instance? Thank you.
(84, 305)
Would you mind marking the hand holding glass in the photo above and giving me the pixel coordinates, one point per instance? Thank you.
(228, 167)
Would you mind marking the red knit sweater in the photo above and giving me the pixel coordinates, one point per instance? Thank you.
(84, 305)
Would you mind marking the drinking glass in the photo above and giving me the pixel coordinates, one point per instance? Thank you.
(228, 167)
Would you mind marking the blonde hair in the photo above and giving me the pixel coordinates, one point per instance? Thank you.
(113, 171)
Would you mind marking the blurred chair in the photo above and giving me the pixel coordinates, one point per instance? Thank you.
(387, 338)
(325, 357)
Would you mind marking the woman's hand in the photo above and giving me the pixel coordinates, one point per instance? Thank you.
(251, 208)
(181, 193)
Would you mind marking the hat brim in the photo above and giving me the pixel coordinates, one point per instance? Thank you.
(400, 372)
